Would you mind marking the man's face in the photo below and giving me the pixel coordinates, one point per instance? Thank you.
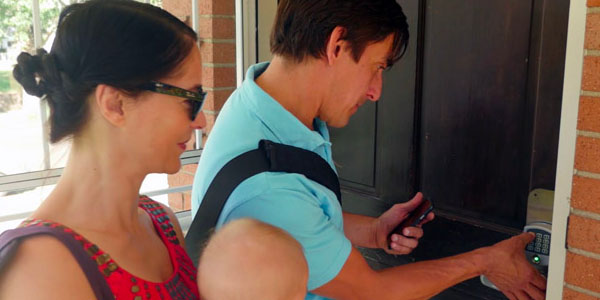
(355, 82)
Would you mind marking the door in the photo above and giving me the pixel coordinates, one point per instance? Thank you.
(469, 116)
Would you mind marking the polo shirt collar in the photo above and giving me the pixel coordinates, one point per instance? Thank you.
(285, 126)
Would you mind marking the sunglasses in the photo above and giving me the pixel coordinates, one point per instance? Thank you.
(196, 99)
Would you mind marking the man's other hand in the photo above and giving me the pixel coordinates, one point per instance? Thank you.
(409, 239)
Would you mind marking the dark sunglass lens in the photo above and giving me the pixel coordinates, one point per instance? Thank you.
(195, 108)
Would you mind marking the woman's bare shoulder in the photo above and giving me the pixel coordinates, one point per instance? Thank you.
(43, 268)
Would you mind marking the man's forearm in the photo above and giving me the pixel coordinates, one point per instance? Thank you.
(420, 280)
(425, 279)
(360, 230)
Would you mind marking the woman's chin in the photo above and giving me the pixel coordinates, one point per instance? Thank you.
(172, 167)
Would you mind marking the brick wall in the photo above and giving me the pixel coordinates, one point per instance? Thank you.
(582, 267)
(217, 34)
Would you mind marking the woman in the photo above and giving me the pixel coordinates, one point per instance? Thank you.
(123, 80)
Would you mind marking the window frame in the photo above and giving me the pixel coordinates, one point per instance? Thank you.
(50, 176)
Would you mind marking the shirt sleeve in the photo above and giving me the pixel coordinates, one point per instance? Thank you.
(326, 248)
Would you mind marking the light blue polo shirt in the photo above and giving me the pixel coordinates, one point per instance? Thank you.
(304, 208)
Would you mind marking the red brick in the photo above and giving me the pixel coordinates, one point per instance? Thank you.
(592, 3)
(587, 154)
(584, 234)
(176, 202)
(215, 77)
(586, 194)
(216, 7)
(180, 179)
(217, 28)
(181, 201)
(218, 52)
(591, 73)
(583, 272)
(592, 32)
(569, 294)
(210, 122)
(187, 200)
(204, 138)
(189, 169)
(589, 114)
(178, 8)
(216, 99)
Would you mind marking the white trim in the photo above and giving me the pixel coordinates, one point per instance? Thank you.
(177, 189)
(23, 181)
(254, 20)
(37, 43)
(37, 27)
(196, 26)
(195, 16)
(266, 16)
(239, 42)
(249, 13)
(566, 147)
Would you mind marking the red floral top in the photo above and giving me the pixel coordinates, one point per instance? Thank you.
(182, 284)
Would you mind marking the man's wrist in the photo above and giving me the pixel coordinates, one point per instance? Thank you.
(482, 260)
(373, 233)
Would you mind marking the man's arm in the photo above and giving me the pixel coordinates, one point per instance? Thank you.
(504, 264)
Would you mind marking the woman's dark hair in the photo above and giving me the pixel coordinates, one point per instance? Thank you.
(302, 27)
(121, 43)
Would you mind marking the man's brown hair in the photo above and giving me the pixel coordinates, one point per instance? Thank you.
(302, 27)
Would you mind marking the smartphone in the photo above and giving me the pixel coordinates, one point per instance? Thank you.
(415, 217)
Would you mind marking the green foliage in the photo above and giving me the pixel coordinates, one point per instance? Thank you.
(16, 24)
(5, 81)
(16, 21)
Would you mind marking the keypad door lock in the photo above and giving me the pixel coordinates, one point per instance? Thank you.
(537, 252)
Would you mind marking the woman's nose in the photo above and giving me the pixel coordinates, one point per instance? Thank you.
(199, 121)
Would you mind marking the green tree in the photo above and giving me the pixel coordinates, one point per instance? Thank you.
(16, 24)
(16, 20)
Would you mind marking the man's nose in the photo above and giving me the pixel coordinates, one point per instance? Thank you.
(374, 91)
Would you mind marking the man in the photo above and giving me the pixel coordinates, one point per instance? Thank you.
(248, 259)
(328, 58)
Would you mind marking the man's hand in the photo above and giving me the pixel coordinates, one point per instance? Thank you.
(510, 271)
(405, 243)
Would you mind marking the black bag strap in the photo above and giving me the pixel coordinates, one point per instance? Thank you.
(10, 240)
(269, 157)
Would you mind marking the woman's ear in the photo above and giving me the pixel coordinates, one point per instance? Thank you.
(335, 44)
(110, 102)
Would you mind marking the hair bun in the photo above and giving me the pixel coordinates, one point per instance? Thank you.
(37, 73)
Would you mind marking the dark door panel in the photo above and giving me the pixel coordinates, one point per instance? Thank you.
(474, 108)
(377, 166)
(355, 161)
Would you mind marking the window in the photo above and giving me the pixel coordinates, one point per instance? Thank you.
(29, 165)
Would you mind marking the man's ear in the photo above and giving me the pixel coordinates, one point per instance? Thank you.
(110, 104)
(335, 44)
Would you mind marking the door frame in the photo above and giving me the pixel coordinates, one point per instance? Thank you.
(566, 147)
(253, 28)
